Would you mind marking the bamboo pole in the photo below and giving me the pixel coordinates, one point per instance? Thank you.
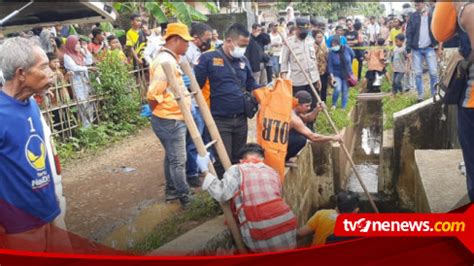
(206, 115)
(200, 146)
(344, 148)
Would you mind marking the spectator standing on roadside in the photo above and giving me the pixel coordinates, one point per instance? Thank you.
(30, 200)
(255, 53)
(97, 44)
(136, 41)
(77, 59)
(420, 44)
(373, 31)
(276, 45)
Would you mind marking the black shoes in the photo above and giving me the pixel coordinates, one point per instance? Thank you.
(171, 195)
(186, 200)
(194, 182)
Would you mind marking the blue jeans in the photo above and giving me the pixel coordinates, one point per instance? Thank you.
(172, 134)
(430, 57)
(192, 170)
(465, 131)
(341, 86)
(397, 85)
(275, 65)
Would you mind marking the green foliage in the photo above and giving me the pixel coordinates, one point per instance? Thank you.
(164, 9)
(116, 84)
(156, 11)
(202, 209)
(395, 104)
(212, 7)
(119, 113)
(386, 85)
(333, 9)
(339, 116)
(108, 27)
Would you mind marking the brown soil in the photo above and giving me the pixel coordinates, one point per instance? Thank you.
(101, 196)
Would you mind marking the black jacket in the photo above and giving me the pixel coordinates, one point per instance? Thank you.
(413, 31)
(255, 50)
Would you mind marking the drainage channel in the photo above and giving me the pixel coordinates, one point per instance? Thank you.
(366, 156)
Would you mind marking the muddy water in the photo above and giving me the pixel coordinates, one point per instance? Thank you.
(367, 149)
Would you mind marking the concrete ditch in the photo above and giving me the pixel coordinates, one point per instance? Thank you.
(405, 182)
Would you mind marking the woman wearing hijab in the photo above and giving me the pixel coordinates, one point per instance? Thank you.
(339, 66)
(76, 60)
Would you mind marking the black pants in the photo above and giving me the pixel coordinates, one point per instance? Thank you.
(313, 99)
(360, 58)
(370, 76)
(324, 86)
(233, 132)
(296, 142)
(465, 129)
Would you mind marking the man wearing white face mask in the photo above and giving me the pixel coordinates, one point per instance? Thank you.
(224, 75)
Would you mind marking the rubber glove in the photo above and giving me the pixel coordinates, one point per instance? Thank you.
(203, 162)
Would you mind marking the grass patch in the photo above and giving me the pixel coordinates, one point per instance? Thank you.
(395, 104)
(339, 116)
(201, 210)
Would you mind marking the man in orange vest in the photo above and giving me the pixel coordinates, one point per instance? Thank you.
(167, 120)
(266, 222)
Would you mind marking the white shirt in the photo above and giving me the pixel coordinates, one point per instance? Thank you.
(276, 44)
(192, 54)
(373, 30)
(154, 44)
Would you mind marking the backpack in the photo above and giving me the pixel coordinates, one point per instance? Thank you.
(454, 77)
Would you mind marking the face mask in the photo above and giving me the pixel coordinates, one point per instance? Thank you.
(238, 52)
(336, 48)
(303, 34)
(205, 45)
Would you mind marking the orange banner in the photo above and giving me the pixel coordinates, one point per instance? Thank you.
(273, 122)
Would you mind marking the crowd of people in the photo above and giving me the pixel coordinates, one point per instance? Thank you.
(308, 52)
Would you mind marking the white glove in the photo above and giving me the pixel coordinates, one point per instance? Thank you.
(203, 162)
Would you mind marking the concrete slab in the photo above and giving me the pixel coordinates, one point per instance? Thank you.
(210, 238)
(440, 186)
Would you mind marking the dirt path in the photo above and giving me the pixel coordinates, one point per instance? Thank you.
(102, 197)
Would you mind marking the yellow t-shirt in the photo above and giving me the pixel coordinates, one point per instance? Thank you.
(137, 40)
(322, 223)
(393, 33)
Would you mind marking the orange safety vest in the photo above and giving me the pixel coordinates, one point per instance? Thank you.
(273, 122)
(261, 203)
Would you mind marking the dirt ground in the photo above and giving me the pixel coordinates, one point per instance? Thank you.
(102, 195)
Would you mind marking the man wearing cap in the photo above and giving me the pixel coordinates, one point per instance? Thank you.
(305, 52)
(167, 120)
(299, 133)
(224, 75)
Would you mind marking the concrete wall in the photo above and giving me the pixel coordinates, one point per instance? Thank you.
(385, 185)
(310, 185)
(417, 127)
(341, 164)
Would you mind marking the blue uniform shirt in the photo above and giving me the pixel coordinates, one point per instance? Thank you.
(218, 81)
(27, 197)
